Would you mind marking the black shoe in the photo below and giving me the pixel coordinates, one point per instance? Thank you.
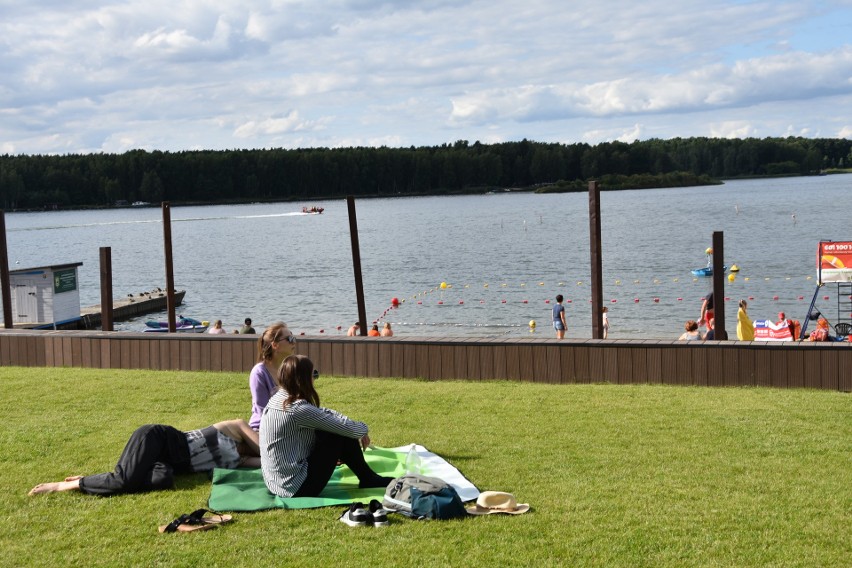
(356, 516)
(380, 514)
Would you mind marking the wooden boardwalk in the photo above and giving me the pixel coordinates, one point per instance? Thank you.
(716, 363)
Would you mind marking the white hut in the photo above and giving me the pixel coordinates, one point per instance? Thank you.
(45, 295)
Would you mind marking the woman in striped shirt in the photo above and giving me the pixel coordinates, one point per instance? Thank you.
(301, 442)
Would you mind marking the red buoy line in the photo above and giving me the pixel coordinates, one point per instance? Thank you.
(422, 298)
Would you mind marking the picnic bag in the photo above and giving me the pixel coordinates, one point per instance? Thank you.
(422, 497)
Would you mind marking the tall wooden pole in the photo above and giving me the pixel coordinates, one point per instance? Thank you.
(170, 275)
(106, 288)
(356, 263)
(5, 281)
(720, 332)
(596, 261)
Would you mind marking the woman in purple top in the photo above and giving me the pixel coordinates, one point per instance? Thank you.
(276, 343)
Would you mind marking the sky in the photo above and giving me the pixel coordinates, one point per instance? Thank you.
(90, 76)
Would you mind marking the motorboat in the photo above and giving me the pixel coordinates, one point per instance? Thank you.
(706, 271)
(182, 325)
(312, 210)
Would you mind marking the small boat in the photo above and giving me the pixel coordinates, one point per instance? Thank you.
(706, 271)
(183, 325)
(313, 210)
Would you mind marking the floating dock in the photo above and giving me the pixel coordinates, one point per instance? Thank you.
(131, 306)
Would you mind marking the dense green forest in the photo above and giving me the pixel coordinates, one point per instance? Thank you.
(99, 180)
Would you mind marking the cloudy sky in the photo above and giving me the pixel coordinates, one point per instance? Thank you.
(79, 76)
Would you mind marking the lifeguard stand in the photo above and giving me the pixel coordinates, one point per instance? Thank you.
(834, 264)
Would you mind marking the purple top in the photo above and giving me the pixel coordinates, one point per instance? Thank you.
(262, 387)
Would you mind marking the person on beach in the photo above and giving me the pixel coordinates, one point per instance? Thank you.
(605, 322)
(355, 330)
(559, 322)
(301, 442)
(745, 327)
(821, 332)
(691, 333)
(247, 329)
(155, 452)
(386, 330)
(275, 344)
(374, 331)
(707, 311)
(711, 331)
(217, 328)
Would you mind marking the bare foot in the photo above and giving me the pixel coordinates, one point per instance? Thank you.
(55, 486)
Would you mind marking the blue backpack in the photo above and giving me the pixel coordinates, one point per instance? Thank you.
(423, 497)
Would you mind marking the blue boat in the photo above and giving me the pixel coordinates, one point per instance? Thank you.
(184, 325)
(706, 271)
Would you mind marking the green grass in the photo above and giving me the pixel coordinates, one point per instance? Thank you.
(616, 475)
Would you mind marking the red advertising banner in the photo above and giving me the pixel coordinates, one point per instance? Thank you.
(834, 261)
(765, 330)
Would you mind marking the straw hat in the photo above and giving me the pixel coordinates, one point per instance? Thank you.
(490, 502)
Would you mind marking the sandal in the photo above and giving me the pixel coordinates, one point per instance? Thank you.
(195, 521)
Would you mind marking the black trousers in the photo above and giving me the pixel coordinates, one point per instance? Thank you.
(328, 449)
(153, 454)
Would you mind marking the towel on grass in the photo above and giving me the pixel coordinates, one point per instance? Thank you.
(244, 489)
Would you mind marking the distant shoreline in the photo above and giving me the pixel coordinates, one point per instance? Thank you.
(608, 183)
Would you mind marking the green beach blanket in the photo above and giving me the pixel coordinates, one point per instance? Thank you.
(244, 489)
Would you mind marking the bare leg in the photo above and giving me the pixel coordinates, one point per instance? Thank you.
(70, 484)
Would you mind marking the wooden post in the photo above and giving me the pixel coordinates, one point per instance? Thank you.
(170, 275)
(356, 263)
(720, 332)
(5, 281)
(106, 288)
(596, 261)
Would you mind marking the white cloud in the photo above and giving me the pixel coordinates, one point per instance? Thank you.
(277, 125)
(202, 73)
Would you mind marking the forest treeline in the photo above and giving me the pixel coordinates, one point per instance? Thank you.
(102, 180)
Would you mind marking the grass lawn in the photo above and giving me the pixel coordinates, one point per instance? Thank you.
(616, 475)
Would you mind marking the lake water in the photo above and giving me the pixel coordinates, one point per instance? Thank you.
(503, 256)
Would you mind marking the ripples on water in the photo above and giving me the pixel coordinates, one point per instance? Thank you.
(271, 262)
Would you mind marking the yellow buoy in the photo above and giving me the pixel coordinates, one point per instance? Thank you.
(532, 324)
(443, 285)
(708, 251)
(735, 268)
(731, 277)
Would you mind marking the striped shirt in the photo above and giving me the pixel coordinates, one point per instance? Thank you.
(287, 438)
